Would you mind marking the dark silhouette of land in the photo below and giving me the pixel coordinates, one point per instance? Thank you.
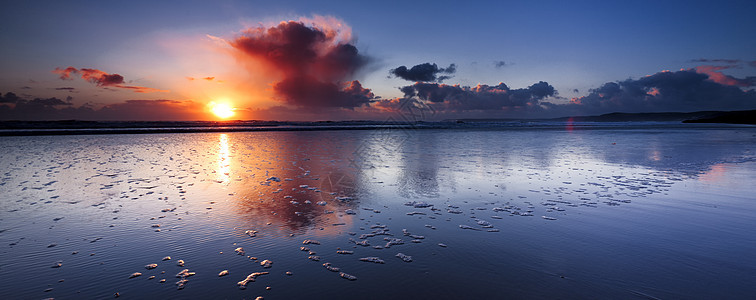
(76, 127)
(730, 117)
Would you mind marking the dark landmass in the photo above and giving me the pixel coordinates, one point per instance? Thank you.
(76, 124)
(730, 117)
(643, 117)
(76, 127)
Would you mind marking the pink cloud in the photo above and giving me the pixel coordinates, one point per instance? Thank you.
(315, 62)
(102, 79)
(715, 74)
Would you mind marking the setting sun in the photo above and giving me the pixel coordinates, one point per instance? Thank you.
(222, 110)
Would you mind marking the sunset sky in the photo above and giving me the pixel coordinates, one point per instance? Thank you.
(341, 60)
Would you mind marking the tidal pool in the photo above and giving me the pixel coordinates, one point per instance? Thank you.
(652, 211)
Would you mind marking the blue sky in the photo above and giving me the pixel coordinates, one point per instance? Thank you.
(575, 46)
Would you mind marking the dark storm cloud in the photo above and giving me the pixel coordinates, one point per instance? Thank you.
(311, 92)
(426, 72)
(316, 64)
(680, 91)
(481, 97)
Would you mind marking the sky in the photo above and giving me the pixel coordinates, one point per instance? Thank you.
(346, 60)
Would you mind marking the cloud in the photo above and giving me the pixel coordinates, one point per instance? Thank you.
(716, 60)
(129, 110)
(500, 64)
(719, 77)
(315, 62)
(65, 74)
(48, 102)
(681, 91)
(397, 104)
(69, 89)
(17, 108)
(101, 79)
(480, 97)
(205, 78)
(141, 89)
(9, 98)
(311, 92)
(95, 76)
(426, 72)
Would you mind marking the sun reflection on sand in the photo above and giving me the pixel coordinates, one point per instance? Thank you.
(224, 161)
(287, 196)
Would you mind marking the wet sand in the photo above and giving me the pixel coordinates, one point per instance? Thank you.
(646, 212)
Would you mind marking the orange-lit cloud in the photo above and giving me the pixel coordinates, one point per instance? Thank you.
(102, 79)
(205, 78)
(715, 74)
(654, 92)
(392, 105)
(141, 89)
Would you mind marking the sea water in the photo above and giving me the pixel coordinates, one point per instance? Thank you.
(620, 212)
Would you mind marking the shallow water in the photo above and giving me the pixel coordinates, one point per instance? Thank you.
(642, 212)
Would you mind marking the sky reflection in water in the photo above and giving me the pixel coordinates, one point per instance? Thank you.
(644, 211)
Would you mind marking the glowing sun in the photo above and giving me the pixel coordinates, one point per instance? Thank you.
(222, 110)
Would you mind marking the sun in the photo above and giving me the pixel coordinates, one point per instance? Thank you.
(222, 110)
